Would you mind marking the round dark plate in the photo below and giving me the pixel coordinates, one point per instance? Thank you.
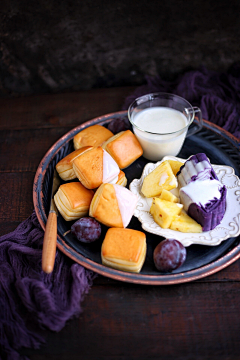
(221, 147)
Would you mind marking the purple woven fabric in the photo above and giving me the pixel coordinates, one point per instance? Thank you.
(217, 95)
(31, 299)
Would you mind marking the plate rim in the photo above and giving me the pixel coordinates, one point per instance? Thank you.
(137, 278)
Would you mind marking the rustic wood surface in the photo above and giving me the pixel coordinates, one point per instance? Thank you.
(197, 320)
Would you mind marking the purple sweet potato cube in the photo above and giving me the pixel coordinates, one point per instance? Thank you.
(201, 193)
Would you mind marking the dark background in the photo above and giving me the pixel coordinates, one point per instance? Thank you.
(57, 46)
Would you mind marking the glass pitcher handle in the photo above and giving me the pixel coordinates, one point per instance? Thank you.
(197, 123)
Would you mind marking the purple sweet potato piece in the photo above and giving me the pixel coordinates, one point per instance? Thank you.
(191, 171)
(211, 214)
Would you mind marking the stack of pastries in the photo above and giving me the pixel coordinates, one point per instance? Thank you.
(73, 200)
(99, 190)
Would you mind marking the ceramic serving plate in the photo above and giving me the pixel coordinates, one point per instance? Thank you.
(202, 260)
(230, 224)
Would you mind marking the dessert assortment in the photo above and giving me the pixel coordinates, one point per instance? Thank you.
(185, 197)
(202, 198)
(167, 209)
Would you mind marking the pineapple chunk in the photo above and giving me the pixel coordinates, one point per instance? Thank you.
(164, 212)
(160, 178)
(168, 196)
(175, 165)
(185, 223)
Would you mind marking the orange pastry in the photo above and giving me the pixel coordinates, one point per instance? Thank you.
(124, 249)
(122, 180)
(124, 148)
(73, 200)
(95, 167)
(113, 205)
(93, 135)
(65, 166)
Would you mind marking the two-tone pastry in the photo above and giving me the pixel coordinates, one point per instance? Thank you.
(124, 148)
(113, 205)
(95, 167)
(65, 166)
(73, 200)
(201, 193)
(124, 249)
(93, 135)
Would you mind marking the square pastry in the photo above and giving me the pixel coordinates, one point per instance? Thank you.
(95, 167)
(113, 205)
(93, 135)
(124, 148)
(124, 249)
(73, 200)
(65, 166)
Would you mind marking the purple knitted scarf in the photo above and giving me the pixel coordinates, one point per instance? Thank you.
(30, 299)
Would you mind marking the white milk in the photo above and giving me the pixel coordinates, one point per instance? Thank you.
(164, 121)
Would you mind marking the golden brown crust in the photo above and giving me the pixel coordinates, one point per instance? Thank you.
(124, 148)
(88, 167)
(94, 135)
(122, 180)
(65, 168)
(77, 194)
(104, 206)
(124, 249)
(73, 200)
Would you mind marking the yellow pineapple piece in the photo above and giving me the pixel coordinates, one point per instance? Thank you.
(164, 212)
(160, 178)
(184, 223)
(168, 196)
(175, 165)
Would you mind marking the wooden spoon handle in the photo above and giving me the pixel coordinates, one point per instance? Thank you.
(49, 243)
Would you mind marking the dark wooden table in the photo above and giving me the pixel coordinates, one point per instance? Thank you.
(196, 320)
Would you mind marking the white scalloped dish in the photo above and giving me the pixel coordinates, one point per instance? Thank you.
(229, 226)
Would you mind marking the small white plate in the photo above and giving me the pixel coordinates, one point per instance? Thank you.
(229, 226)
